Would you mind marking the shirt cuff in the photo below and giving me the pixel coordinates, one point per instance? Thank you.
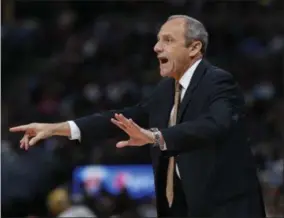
(75, 131)
(164, 146)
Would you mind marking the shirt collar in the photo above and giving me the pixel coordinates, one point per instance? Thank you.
(186, 77)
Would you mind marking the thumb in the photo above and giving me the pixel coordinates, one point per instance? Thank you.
(122, 144)
(35, 139)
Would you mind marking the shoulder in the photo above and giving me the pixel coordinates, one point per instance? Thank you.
(215, 73)
(218, 80)
(215, 76)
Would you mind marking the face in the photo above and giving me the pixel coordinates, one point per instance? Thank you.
(173, 54)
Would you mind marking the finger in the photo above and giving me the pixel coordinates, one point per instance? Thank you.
(119, 117)
(131, 129)
(119, 124)
(122, 144)
(123, 119)
(25, 142)
(133, 124)
(21, 144)
(35, 139)
(19, 128)
(130, 124)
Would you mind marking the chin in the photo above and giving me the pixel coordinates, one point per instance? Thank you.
(167, 71)
(163, 74)
(166, 74)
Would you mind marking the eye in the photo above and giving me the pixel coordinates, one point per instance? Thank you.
(168, 39)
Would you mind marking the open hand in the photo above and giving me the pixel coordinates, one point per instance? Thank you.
(137, 135)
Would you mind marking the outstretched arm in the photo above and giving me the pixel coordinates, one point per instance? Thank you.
(97, 126)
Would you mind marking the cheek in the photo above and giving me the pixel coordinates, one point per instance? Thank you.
(177, 56)
(176, 60)
(181, 58)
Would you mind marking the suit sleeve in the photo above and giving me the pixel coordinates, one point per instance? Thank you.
(225, 106)
(98, 126)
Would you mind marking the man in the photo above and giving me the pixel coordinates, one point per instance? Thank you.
(202, 162)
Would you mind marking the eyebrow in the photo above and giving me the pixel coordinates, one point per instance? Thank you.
(164, 35)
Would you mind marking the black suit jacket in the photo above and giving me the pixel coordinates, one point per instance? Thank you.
(209, 140)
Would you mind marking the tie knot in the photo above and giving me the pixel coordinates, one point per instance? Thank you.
(177, 86)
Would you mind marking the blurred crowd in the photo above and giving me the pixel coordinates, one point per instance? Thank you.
(66, 59)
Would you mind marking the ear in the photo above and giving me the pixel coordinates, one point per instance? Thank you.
(195, 48)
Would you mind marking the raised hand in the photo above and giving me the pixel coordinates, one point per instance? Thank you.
(137, 135)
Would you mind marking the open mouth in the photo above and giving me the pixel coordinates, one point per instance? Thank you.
(163, 60)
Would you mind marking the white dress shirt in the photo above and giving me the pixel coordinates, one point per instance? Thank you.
(184, 82)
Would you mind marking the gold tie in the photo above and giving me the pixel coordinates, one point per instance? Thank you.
(172, 122)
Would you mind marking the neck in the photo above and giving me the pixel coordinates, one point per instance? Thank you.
(186, 67)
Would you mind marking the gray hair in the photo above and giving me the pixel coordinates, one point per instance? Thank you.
(194, 30)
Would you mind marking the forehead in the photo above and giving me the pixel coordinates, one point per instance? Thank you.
(174, 27)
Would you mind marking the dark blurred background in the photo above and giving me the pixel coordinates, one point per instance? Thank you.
(66, 59)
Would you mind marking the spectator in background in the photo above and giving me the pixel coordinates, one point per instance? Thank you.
(58, 201)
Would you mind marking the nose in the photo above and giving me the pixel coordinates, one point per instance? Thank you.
(158, 47)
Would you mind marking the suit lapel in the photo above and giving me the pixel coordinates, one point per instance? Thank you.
(197, 75)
